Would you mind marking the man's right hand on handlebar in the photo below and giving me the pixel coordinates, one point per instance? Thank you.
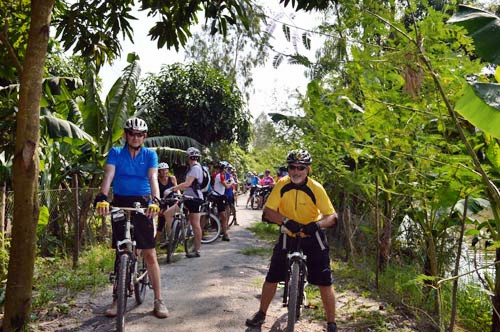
(101, 204)
(292, 225)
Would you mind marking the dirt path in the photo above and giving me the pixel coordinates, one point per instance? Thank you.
(216, 293)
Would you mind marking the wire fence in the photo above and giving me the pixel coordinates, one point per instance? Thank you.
(66, 219)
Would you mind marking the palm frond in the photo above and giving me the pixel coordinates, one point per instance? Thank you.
(120, 99)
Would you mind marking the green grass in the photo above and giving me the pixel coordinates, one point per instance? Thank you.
(400, 284)
(55, 279)
(265, 231)
(257, 251)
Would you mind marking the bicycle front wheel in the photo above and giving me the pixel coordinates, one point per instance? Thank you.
(293, 297)
(173, 239)
(231, 219)
(140, 286)
(254, 203)
(211, 227)
(121, 292)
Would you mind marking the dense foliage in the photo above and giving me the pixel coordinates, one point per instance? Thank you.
(179, 94)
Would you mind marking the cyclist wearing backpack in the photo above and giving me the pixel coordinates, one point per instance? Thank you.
(191, 187)
(302, 205)
(133, 171)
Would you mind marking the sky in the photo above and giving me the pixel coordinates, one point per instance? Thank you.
(273, 87)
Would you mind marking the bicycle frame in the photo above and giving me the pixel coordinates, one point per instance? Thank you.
(295, 280)
(130, 244)
(127, 279)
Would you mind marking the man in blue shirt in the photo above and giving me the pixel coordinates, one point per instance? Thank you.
(133, 171)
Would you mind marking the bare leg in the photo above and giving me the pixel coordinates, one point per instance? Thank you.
(268, 292)
(328, 298)
(153, 270)
(194, 219)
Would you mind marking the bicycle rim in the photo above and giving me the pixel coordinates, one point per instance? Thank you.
(293, 297)
(188, 239)
(121, 292)
(211, 229)
(141, 286)
(173, 239)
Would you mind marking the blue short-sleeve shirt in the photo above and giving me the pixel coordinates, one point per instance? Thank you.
(131, 175)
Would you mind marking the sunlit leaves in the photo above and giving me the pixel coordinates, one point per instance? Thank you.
(480, 105)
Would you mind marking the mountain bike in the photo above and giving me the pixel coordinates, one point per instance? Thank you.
(181, 230)
(260, 196)
(131, 274)
(294, 294)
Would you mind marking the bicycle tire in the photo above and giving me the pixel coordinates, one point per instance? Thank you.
(231, 219)
(211, 227)
(173, 239)
(293, 297)
(188, 239)
(121, 292)
(142, 285)
(254, 203)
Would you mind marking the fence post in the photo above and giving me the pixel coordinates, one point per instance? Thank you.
(2, 208)
(76, 250)
(3, 193)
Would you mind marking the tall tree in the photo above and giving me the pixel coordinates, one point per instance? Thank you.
(26, 167)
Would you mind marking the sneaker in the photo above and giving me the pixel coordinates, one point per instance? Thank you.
(225, 237)
(112, 311)
(256, 320)
(236, 223)
(193, 254)
(160, 310)
(331, 327)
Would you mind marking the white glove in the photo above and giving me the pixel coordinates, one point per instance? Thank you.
(167, 192)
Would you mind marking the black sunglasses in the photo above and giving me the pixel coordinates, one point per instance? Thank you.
(131, 133)
(293, 168)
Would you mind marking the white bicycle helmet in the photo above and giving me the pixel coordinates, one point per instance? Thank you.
(193, 152)
(136, 124)
(163, 166)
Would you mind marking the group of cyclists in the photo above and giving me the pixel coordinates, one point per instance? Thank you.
(296, 201)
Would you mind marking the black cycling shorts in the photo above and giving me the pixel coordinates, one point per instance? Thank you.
(318, 261)
(220, 201)
(143, 230)
(193, 205)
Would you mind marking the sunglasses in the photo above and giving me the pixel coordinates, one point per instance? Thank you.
(140, 134)
(293, 168)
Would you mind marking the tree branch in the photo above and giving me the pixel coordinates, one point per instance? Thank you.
(10, 50)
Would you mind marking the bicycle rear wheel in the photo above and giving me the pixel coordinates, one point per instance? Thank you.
(141, 285)
(173, 239)
(121, 292)
(211, 227)
(188, 239)
(293, 297)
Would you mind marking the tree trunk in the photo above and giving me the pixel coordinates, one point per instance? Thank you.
(25, 172)
(495, 324)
